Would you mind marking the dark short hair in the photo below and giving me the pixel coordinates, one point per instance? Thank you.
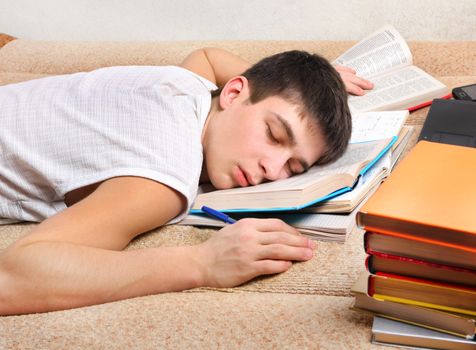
(311, 82)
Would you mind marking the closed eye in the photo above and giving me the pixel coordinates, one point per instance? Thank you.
(289, 170)
(298, 168)
(270, 135)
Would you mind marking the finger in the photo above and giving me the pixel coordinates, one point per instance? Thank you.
(349, 78)
(268, 267)
(269, 225)
(363, 83)
(340, 68)
(283, 252)
(287, 239)
(354, 89)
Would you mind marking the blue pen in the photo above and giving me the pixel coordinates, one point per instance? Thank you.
(218, 215)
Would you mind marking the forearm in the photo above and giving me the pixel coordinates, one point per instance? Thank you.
(217, 65)
(47, 276)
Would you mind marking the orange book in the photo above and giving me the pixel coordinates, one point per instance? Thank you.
(431, 194)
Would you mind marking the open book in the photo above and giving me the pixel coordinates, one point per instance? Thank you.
(318, 226)
(347, 202)
(319, 183)
(385, 59)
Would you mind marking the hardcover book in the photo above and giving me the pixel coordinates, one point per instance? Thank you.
(452, 323)
(390, 332)
(416, 291)
(430, 194)
(420, 248)
(400, 265)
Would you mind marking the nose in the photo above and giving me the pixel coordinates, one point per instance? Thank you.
(274, 167)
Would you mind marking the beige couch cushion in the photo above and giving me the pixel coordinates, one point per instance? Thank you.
(53, 57)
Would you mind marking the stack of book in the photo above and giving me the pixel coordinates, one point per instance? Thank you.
(421, 244)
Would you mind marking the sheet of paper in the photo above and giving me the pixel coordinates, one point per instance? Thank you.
(372, 126)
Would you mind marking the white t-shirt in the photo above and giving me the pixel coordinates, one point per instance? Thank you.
(64, 132)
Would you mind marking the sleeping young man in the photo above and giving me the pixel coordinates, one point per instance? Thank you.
(101, 157)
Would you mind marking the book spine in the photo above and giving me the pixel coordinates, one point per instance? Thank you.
(366, 241)
(461, 335)
(427, 282)
(371, 287)
(415, 238)
(419, 262)
(368, 264)
(382, 263)
(423, 304)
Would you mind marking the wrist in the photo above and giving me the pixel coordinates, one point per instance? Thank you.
(198, 270)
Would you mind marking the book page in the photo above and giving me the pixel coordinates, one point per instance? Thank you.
(402, 143)
(371, 126)
(380, 51)
(348, 200)
(396, 87)
(362, 185)
(324, 222)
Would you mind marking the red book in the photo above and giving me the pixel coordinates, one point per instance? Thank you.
(420, 248)
(405, 266)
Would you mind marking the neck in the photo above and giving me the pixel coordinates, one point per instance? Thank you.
(211, 115)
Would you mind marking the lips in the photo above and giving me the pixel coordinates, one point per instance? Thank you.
(240, 177)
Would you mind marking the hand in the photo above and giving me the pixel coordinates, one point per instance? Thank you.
(353, 84)
(249, 248)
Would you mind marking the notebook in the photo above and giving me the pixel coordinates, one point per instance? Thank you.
(452, 122)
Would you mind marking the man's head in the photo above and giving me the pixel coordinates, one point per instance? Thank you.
(284, 114)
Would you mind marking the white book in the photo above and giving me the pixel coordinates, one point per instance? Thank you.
(385, 59)
(323, 227)
(390, 332)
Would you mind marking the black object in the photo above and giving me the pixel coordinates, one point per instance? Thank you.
(467, 92)
(452, 122)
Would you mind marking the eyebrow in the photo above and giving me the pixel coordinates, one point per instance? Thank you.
(292, 139)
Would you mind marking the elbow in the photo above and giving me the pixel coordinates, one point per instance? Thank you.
(15, 296)
(8, 304)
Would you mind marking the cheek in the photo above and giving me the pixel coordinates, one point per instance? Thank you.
(241, 144)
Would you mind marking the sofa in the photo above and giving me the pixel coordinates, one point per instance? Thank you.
(307, 307)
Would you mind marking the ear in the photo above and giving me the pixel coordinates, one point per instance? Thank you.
(236, 89)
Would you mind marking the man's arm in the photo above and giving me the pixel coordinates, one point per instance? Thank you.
(219, 66)
(74, 258)
(216, 65)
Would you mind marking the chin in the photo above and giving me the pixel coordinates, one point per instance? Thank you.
(222, 183)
